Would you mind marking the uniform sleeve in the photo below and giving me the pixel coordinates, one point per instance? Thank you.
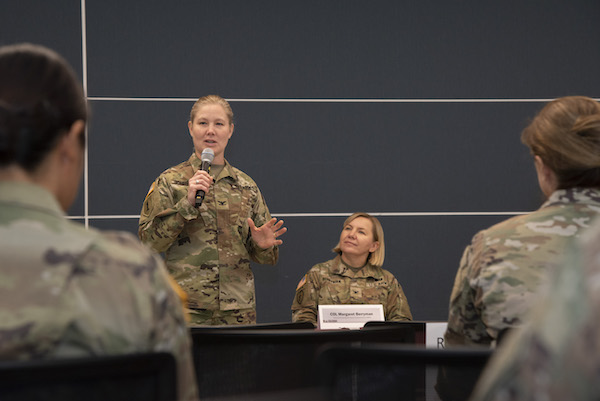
(305, 304)
(172, 335)
(555, 356)
(126, 302)
(161, 218)
(397, 308)
(260, 215)
(465, 324)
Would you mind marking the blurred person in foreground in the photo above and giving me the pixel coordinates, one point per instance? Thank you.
(556, 355)
(355, 276)
(208, 248)
(67, 291)
(504, 267)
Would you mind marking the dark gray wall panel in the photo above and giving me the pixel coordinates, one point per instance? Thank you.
(345, 49)
(329, 157)
(386, 156)
(56, 24)
(131, 143)
(129, 225)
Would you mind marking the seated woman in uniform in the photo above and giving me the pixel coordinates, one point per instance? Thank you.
(354, 276)
(505, 266)
(69, 291)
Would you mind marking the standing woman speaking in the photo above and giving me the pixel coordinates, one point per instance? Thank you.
(208, 248)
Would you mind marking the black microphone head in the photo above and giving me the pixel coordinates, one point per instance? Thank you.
(207, 155)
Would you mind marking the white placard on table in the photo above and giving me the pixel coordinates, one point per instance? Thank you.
(434, 334)
(332, 317)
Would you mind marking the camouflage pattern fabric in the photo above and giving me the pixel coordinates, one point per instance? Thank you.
(556, 357)
(67, 291)
(504, 267)
(203, 317)
(208, 249)
(332, 283)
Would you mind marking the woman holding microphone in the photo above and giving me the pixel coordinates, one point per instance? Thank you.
(208, 248)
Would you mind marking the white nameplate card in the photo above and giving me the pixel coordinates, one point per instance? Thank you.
(434, 334)
(332, 317)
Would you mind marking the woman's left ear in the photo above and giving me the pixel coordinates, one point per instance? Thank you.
(546, 176)
(77, 129)
(72, 140)
(374, 246)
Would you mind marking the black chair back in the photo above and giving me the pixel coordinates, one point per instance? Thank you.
(399, 372)
(234, 362)
(148, 377)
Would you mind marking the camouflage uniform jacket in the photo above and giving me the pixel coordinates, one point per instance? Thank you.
(208, 249)
(504, 266)
(556, 356)
(67, 291)
(332, 283)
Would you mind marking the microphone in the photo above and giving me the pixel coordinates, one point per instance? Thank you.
(206, 157)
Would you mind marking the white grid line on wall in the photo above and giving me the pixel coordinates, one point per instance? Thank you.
(85, 93)
(316, 100)
(341, 214)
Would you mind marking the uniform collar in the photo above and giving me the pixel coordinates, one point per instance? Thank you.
(574, 195)
(368, 270)
(29, 195)
(228, 170)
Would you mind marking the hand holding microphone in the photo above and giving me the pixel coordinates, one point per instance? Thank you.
(201, 179)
